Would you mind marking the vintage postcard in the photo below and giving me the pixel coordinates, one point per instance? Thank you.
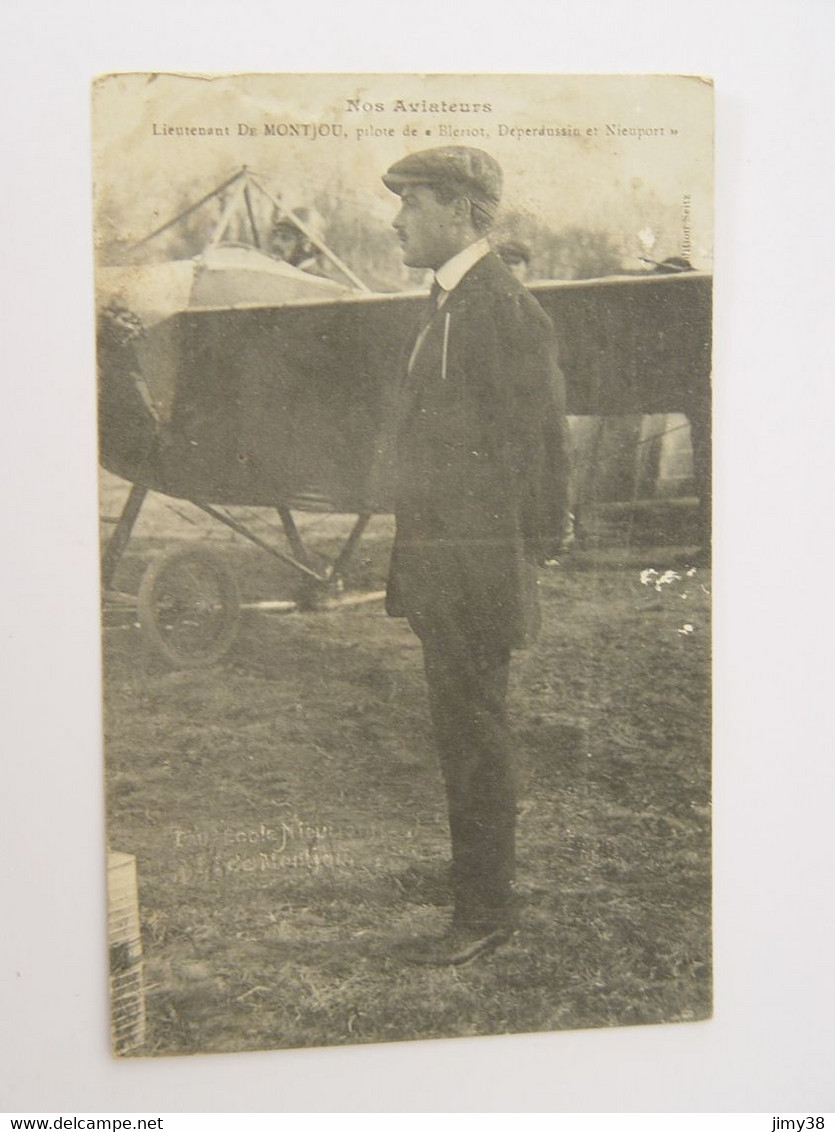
(404, 418)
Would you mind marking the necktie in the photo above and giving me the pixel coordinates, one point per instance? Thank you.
(436, 293)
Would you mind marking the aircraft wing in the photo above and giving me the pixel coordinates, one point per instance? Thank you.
(294, 403)
(265, 404)
(633, 344)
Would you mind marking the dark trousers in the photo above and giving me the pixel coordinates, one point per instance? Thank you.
(467, 699)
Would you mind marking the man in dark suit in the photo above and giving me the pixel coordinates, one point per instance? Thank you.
(481, 499)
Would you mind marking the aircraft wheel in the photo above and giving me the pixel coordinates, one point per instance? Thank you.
(188, 607)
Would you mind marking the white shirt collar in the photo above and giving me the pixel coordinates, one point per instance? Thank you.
(454, 270)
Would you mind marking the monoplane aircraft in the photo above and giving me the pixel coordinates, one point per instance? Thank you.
(233, 378)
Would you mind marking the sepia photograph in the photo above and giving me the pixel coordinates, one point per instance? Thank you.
(404, 417)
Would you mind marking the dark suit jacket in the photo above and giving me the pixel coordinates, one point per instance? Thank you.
(482, 464)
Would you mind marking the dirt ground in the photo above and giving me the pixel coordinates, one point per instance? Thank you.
(286, 811)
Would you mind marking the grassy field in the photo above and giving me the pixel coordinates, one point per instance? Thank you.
(278, 803)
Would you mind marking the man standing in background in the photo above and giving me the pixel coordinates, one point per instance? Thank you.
(517, 256)
(481, 499)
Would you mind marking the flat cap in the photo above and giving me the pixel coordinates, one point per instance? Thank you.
(474, 172)
(514, 251)
(674, 265)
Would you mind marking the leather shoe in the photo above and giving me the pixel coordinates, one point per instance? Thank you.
(455, 948)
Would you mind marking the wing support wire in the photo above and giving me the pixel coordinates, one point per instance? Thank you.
(243, 181)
